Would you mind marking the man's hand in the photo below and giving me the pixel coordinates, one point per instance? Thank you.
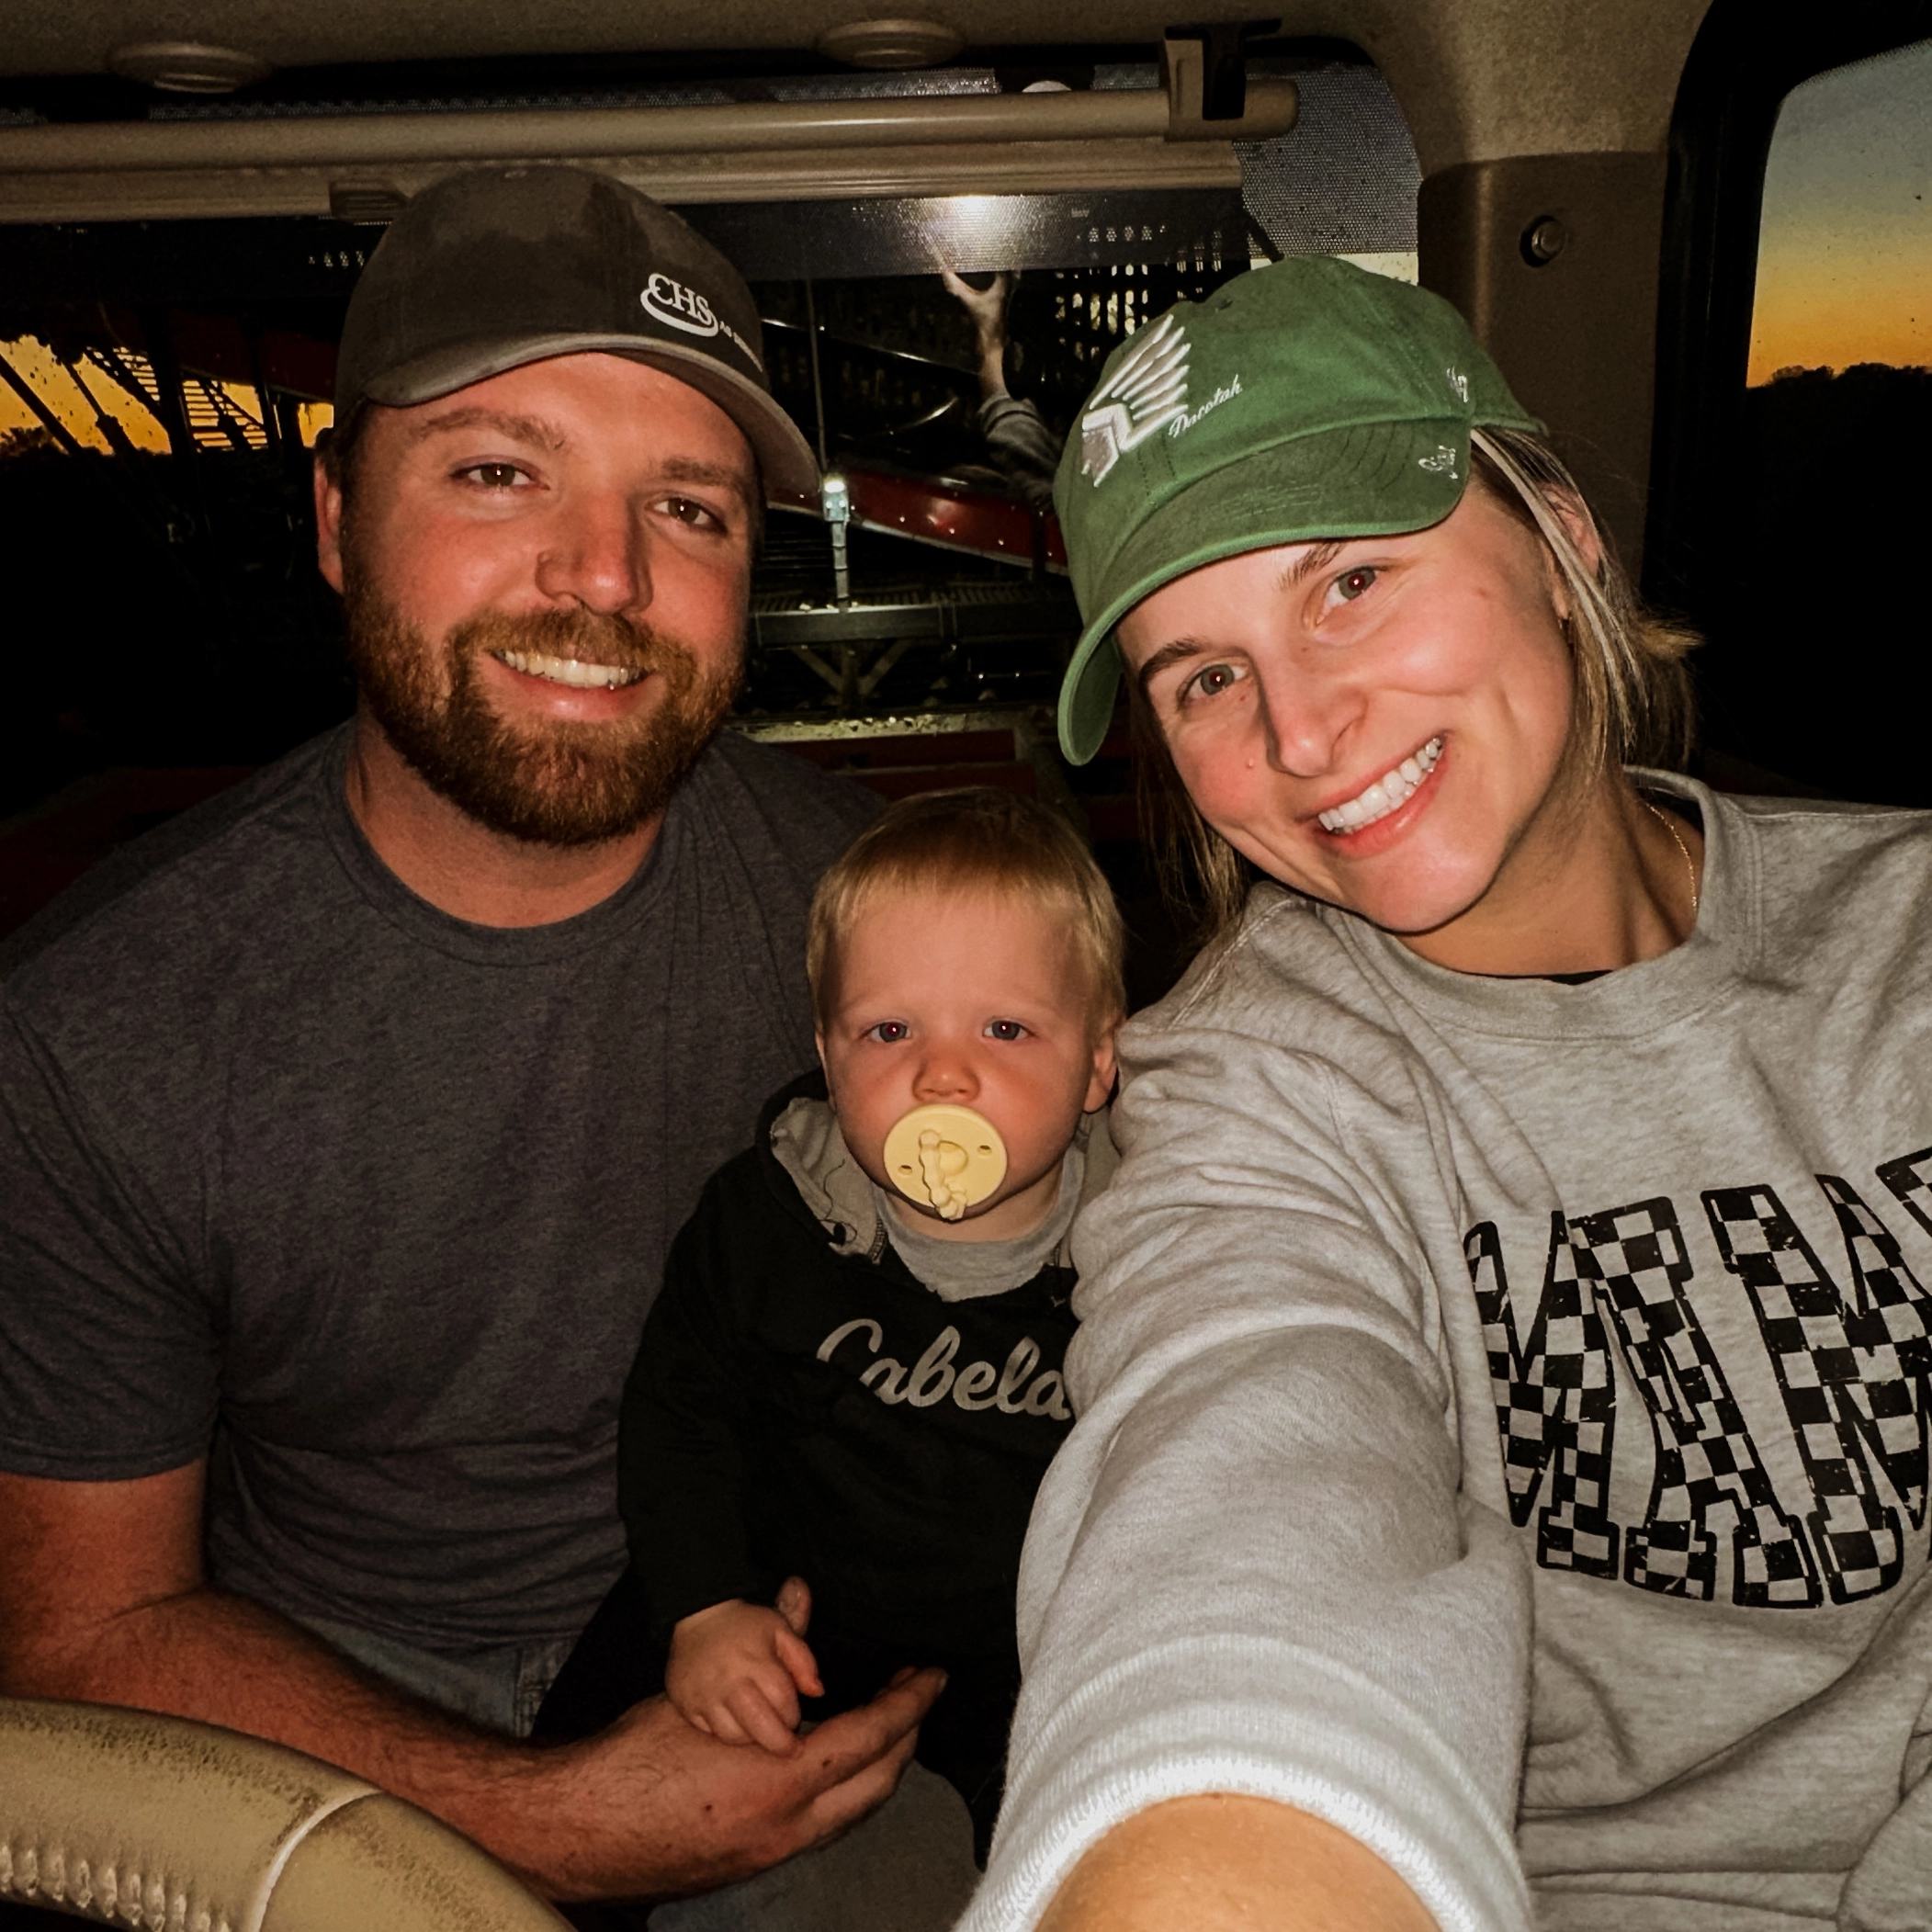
(102, 1599)
(987, 306)
(652, 1807)
(737, 1670)
(988, 309)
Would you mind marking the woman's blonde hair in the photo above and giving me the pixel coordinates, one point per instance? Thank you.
(1633, 703)
(972, 839)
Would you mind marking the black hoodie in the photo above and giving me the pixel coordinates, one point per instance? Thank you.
(802, 1403)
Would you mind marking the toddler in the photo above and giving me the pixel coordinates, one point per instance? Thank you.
(851, 1385)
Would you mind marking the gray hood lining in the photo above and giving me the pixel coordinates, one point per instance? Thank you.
(807, 1144)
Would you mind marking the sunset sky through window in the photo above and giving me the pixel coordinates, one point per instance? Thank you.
(1845, 249)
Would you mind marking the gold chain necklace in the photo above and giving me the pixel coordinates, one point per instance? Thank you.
(1663, 818)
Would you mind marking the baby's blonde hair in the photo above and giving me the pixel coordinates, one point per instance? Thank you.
(974, 840)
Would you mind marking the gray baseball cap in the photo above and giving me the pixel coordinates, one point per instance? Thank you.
(496, 267)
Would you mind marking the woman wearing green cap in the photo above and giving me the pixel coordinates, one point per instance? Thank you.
(1503, 1382)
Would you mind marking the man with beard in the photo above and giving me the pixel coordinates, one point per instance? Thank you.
(344, 1124)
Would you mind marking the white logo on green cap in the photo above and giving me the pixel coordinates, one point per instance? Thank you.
(1147, 392)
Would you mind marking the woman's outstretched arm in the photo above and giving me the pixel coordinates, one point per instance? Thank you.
(1259, 1566)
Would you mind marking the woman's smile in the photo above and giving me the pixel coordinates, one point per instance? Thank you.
(1383, 795)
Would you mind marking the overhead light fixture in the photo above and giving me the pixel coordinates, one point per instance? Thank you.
(366, 201)
(187, 67)
(891, 43)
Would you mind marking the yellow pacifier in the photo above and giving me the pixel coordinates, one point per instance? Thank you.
(945, 1158)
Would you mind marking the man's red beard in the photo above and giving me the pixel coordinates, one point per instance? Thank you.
(563, 782)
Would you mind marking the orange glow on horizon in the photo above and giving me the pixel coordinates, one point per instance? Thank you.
(1810, 316)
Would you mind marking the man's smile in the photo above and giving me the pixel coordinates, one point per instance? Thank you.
(569, 671)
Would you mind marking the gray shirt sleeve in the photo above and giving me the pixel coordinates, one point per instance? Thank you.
(1253, 1569)
(100, 1289)
(1026, 451)
(1888, 1889)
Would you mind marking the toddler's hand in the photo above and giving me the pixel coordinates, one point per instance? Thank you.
(737, 1670)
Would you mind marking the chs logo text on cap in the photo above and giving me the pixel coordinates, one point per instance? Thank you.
(672, 301)
(683, 308)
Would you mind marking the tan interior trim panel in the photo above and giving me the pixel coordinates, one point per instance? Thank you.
(751, 151)
(739, 128)
(1036, 167)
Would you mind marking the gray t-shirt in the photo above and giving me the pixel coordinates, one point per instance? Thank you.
(373, 1200)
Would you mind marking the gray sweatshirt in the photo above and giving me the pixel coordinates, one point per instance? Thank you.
(1503, 1413)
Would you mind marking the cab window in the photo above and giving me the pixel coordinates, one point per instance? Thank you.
(1791, 495)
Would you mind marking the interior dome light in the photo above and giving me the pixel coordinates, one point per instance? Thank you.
(891, 43)
(187, 67)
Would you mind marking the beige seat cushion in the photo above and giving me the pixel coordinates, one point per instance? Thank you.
(135, 1820)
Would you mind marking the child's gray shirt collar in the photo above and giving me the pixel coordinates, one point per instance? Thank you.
(965, 1271)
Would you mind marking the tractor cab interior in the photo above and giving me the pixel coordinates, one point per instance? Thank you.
(1693, 233)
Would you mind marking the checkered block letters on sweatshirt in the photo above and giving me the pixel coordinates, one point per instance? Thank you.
(1855, 1372)
(1710, 1486)
(1852, 1371)
(1556, 1403)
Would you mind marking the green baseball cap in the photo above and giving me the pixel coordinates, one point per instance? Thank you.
(1303, 401)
